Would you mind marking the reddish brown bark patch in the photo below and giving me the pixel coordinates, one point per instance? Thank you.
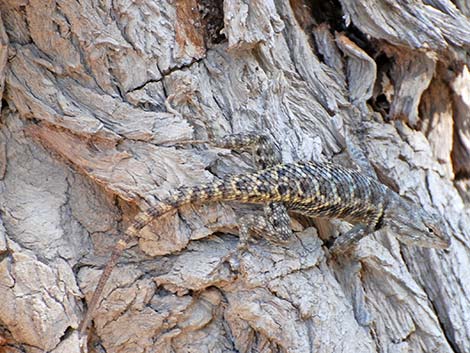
(189, 30)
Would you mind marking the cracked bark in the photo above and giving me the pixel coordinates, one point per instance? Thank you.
(97, 104)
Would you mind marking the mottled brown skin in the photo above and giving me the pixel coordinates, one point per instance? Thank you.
(309, 188)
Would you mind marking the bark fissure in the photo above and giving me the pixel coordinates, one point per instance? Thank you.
(112, 89)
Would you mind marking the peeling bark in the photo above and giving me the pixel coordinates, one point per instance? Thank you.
(99, 103)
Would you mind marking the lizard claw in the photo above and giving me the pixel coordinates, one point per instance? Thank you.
(230, 257)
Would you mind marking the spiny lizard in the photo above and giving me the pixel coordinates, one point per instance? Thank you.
(309, 188)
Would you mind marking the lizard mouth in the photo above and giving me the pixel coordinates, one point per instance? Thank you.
(444, 243)
(435, 243)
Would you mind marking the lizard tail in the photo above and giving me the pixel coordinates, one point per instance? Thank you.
(245, 188)
(141, 220)
(228, 189)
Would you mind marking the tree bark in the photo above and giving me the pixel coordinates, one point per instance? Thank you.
(99, 101)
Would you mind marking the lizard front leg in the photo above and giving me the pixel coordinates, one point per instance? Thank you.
(346, 241)
(265, 154)
(274, 226)
(359, 231)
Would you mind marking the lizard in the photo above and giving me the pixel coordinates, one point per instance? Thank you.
(313, 189)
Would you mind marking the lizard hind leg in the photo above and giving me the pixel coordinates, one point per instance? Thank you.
(347, 241)
(274, 226)
(265, 153)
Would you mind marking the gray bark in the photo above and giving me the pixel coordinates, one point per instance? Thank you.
(98, 101)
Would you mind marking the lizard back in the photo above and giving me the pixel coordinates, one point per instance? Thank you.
(310, 188)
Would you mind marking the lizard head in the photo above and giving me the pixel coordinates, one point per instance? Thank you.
(415, 226)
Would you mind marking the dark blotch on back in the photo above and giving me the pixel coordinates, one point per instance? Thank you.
(281, 172)
(282, 188)
(304, 185)
(262, 188)
(240, 184)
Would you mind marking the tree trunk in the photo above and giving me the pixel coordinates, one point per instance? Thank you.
(99, 101)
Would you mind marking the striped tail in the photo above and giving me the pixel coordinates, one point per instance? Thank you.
(244, 188)
(223, 190)
(209, 192)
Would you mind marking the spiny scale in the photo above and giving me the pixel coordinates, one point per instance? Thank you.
(313, 189)
(309, 188)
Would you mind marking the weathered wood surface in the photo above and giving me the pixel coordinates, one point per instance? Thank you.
(97, 97)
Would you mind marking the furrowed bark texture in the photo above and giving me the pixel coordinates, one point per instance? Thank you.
(98, 99)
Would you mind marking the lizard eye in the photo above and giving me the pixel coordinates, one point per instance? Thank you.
(430, 230)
